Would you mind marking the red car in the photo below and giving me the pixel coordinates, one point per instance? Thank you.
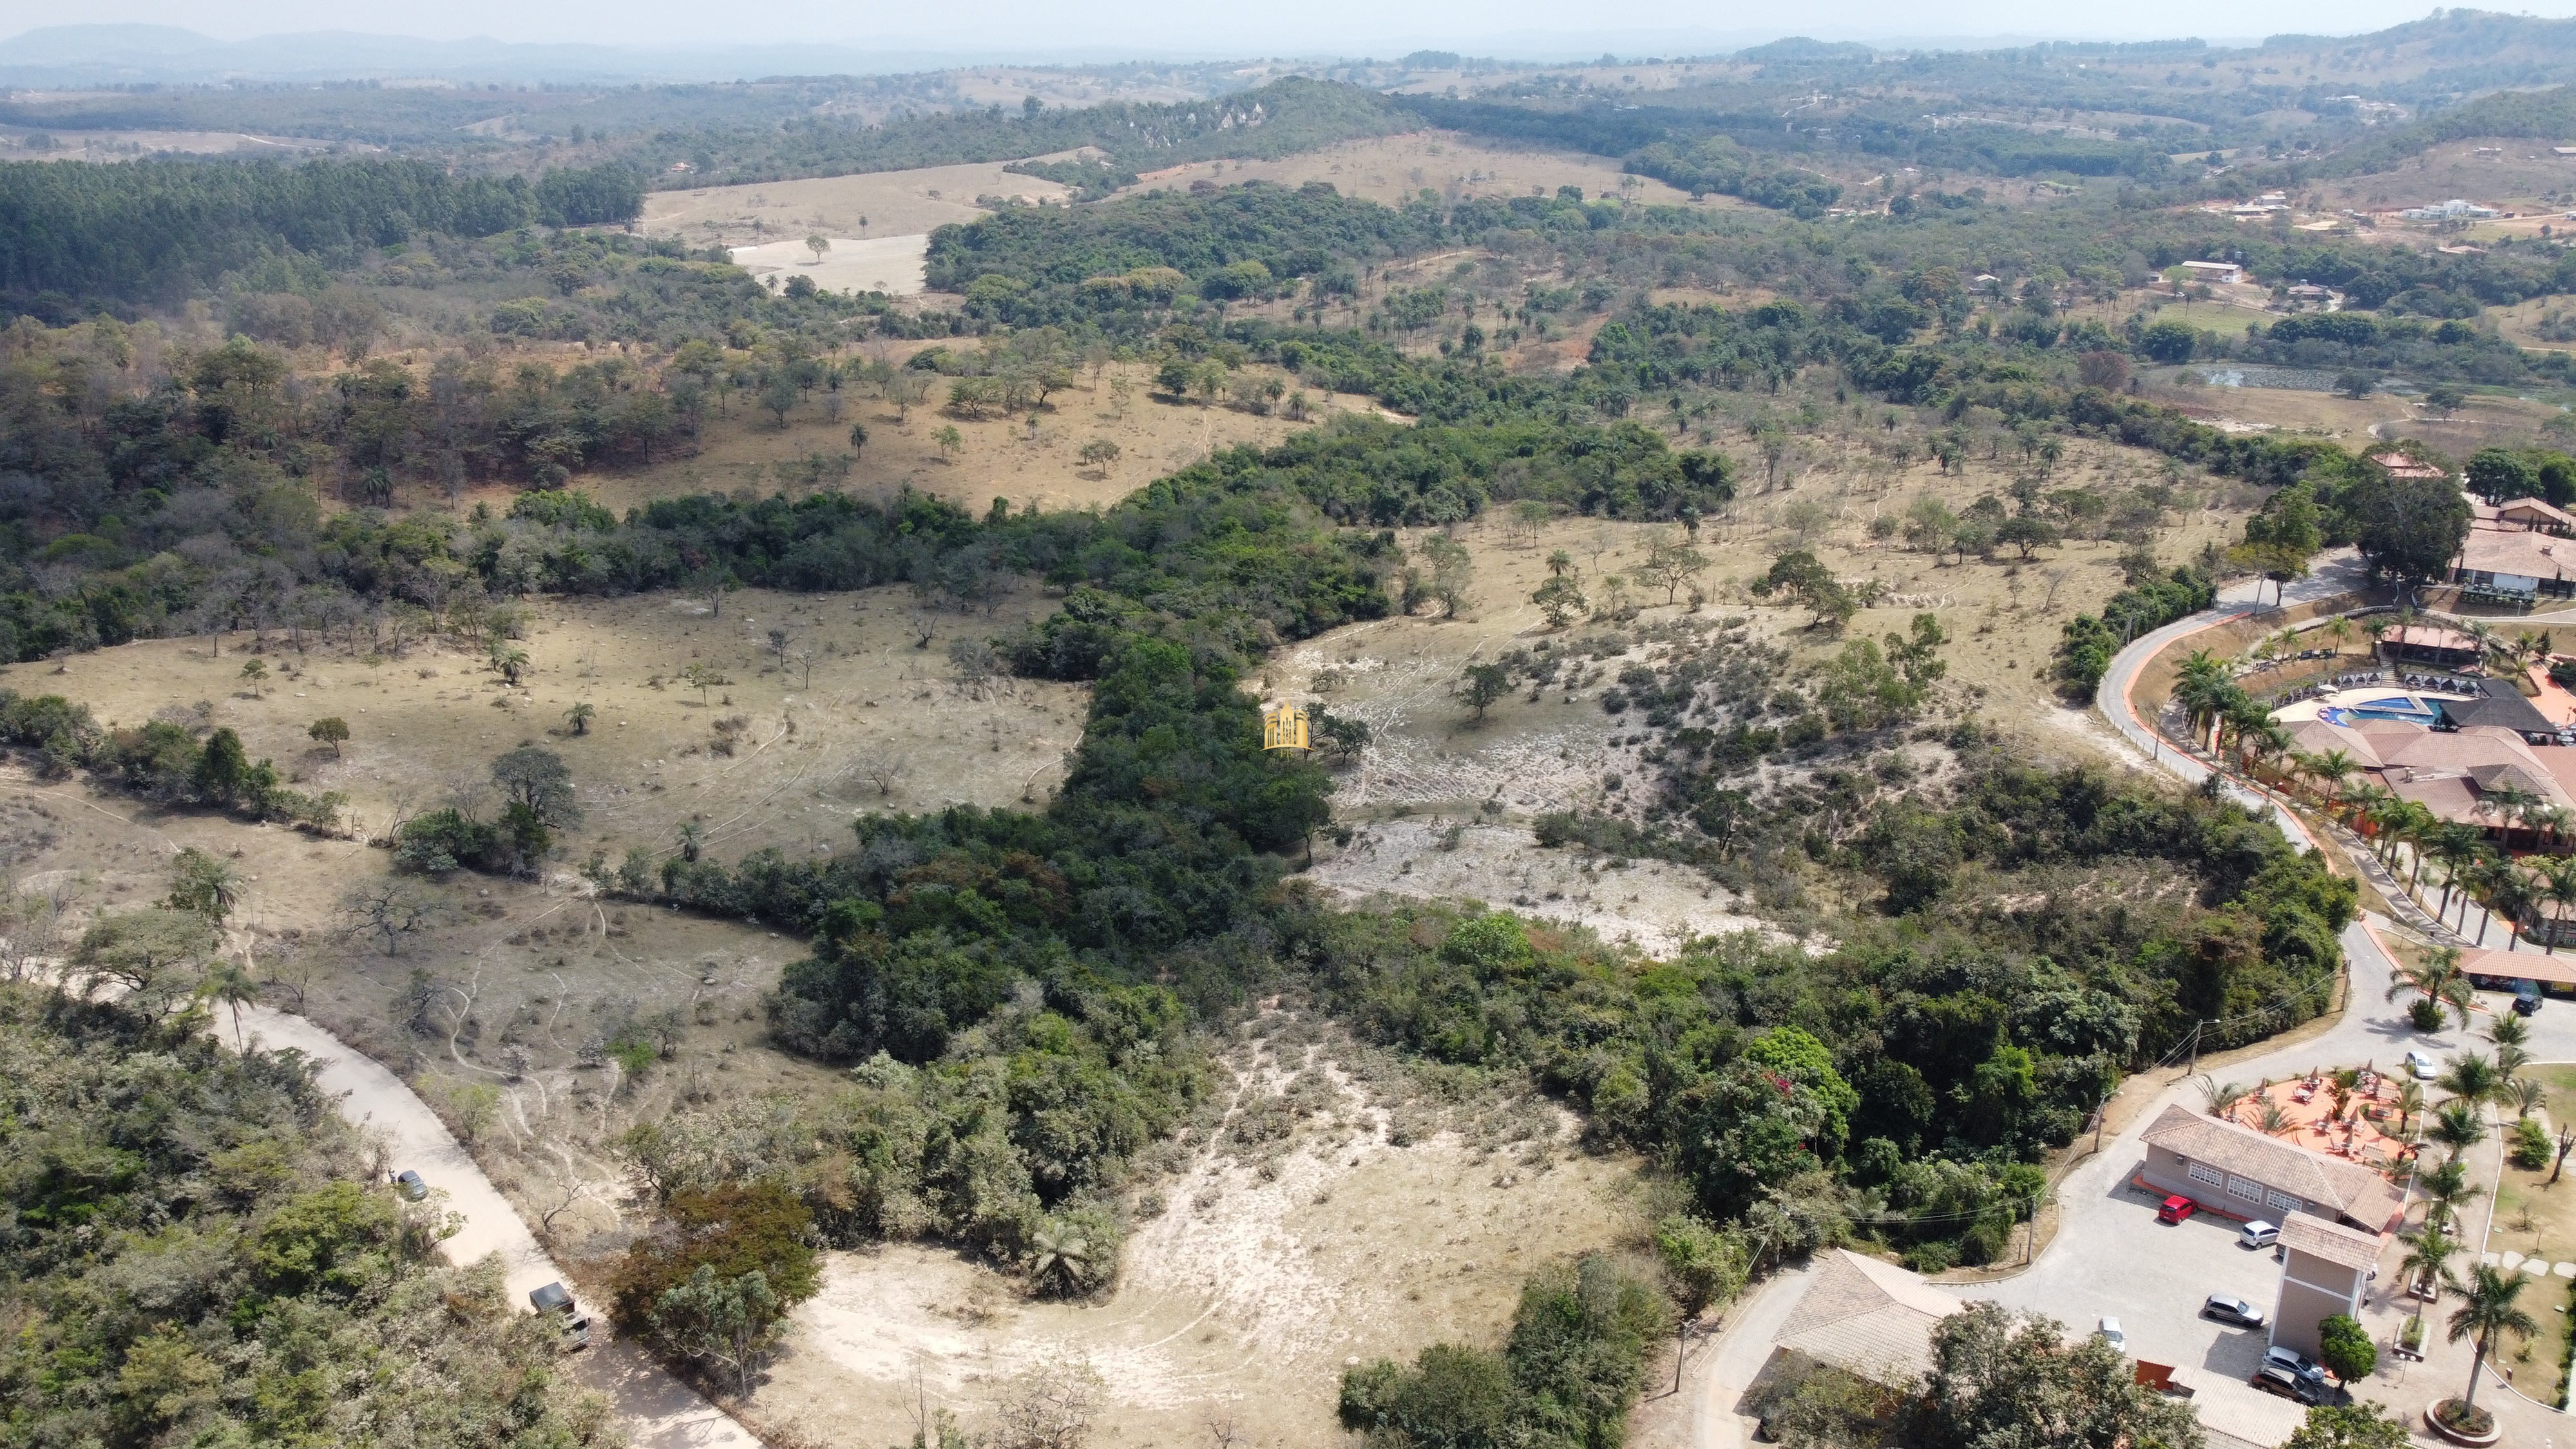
(2176, 1209)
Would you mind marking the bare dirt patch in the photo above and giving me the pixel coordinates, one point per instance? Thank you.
(1559, 750)
(1654, 905)
(1320, 1219)
(889, 264)
(2289, 410)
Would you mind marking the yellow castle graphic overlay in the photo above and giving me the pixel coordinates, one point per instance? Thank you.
(1284, 728)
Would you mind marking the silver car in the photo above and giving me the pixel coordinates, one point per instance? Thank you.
(2295, 1364)
(2228, 1308)
(2111, 1333)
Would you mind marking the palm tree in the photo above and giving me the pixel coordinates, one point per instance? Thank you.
(2331, 769)
(2505, 888)
(2470, 1078)
(2272, 1118)
(2557, 889)
(2458, 1126)
(2437, 978)
(2455, 845)
(2375, 808)
(692, 840)
(2509, 1031)
(2257, 738)
(2340, 631)
(229, 983)
(2547, 820)
(1059, 1257)
(2427, 1264)
(2410, 1103)
(2490, 1311)
(2506, 801)
(2527, 1096)
(2222, 1098)
(2416, 829)
(580, 716)
(2204, 691)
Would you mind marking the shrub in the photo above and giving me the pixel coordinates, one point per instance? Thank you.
(733, 1230)
(2345, 1347)
(2532, 1147)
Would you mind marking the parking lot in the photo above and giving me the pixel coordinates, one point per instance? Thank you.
(2151, 1276)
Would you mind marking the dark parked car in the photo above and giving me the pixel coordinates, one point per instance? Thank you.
(409, 1187)
(2271, 1378)
(2228, 1308)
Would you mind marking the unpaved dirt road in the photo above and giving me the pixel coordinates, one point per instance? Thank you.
(658, 1410)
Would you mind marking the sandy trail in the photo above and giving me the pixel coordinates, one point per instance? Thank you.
(659, 1411)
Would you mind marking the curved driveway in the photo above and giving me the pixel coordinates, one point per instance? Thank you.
(657, 1410)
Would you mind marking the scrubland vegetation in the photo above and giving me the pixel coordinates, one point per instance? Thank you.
(1759, 476)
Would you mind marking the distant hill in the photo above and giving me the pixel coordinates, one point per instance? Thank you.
(65, 55)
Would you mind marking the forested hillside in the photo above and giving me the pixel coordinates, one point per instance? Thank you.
(198, 1250)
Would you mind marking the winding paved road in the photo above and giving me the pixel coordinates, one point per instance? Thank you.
(659, 1412)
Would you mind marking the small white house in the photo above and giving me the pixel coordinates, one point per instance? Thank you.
(2219, 273)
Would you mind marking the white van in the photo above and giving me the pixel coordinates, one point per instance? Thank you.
(2259, 1234)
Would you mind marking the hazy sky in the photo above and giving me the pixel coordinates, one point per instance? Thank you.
(1195, 27)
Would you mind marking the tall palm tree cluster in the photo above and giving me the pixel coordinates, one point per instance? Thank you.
(2489, 1309)
(2474, 869)
(2235, 726)
(2225, 719)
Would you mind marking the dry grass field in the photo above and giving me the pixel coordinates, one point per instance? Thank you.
(996, 456)
(804, 756)
(2520, 171)
(871, 204)
(1394, 169)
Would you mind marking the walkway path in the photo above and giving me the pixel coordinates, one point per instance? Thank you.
(659, 1411)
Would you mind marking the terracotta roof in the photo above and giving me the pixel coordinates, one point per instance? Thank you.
(2381, 732)
(2316, 737)
(1867, 1317)
(2468, 748)
(2451, 798)
(2560, 762)
(2401, 466)
(2536, 508)
(2519, 552)
(2352, 1189)
(2314, 1236)
(2427, 636)
(2520, 966)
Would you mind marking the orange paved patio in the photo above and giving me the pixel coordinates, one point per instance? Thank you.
(2366, 1131)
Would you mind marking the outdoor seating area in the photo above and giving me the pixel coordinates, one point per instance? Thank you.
(2353, 1115)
